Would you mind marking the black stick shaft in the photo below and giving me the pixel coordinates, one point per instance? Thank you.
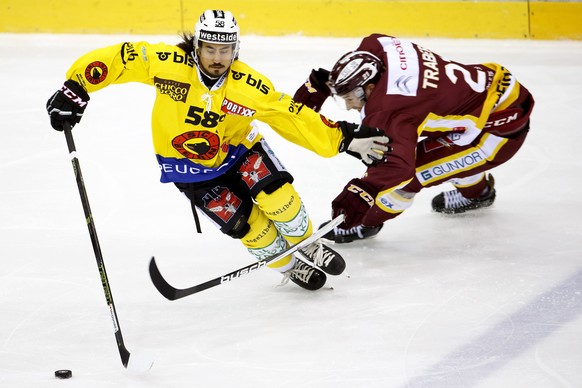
(95, 242)
(172, 293)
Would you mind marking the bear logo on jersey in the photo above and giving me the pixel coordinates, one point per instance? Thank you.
(96, 72)
(201, 145)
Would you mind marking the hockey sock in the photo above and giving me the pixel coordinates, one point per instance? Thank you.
(472, 186)
(264, 240)
(286, 210)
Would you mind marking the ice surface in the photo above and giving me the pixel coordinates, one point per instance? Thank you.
(490, 299)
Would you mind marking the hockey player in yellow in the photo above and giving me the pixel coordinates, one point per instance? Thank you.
(207, 142)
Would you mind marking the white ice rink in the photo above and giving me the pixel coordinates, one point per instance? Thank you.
(491, 299)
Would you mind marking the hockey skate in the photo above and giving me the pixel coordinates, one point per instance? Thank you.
(453, 202)
(324, 257)
(305, 276)
(358, 232)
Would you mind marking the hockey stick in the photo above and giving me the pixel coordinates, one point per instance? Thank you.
(123, 352)
(173, 293)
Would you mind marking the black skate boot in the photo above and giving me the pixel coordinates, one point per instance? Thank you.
(453, 202)
(359, 232)
(324, 257)
(305, 276)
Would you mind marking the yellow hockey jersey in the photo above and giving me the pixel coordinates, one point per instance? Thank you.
(199, 133)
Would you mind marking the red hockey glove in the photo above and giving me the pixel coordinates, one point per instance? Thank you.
(363, 142)
(67, 104)
(354, 201)
(314, 91)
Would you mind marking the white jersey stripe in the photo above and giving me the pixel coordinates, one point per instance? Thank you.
(463, 128)
(467, 160)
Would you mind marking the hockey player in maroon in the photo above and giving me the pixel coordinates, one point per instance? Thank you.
(447, 121)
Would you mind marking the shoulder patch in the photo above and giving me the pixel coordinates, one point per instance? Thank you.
(403, 66)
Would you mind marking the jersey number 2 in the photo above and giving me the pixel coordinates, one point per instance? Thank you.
(478, 86)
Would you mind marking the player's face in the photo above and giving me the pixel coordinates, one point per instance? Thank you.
(215, 59)
(357, 97)
(354, 99)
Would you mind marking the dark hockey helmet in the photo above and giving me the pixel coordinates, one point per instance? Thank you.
(217, 27)
(354, 69)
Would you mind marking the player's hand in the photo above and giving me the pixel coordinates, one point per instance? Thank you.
(67, 104)
(354, 201)
(314, 91)
(366, 143)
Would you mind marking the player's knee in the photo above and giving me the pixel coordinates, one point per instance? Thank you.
(284, 199)
(274, 186)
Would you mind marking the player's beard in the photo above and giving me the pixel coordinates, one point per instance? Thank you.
(215, 70)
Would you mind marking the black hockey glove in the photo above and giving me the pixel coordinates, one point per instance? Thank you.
(315, 90)
(67, 104)
(363, 142)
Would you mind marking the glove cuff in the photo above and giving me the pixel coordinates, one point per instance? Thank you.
(347, 130)
(79, 92)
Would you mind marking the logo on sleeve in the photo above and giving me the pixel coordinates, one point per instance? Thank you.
(127, 53)
(96, 72)
(233, 108)
(328, 123)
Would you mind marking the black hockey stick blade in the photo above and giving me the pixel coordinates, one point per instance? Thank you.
(172, 293)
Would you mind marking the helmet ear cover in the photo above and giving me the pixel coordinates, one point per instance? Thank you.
(354, 69)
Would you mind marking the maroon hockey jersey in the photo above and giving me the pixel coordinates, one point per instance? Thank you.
(446, 120)
(422, 94)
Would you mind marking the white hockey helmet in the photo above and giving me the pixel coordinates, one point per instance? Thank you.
(354, 70)
(217, 27)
